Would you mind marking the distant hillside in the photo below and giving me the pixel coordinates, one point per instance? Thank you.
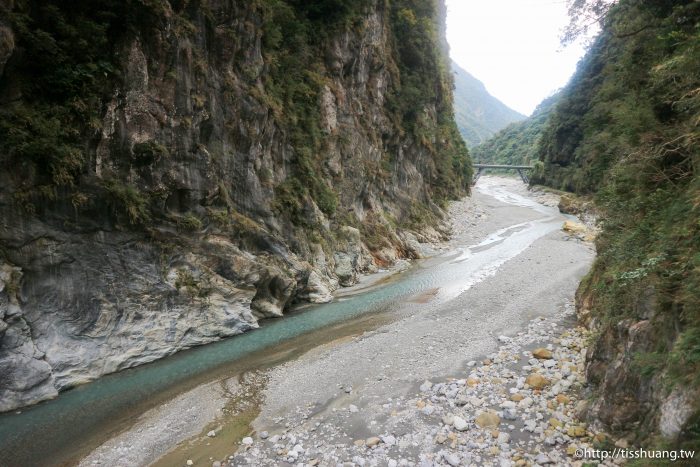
(479, 115)
(518, 142)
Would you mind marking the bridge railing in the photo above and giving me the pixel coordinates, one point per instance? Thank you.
(521, 169)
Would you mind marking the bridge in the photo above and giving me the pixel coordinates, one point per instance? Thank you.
(522, 170)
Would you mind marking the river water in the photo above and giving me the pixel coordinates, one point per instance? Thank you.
(59, 431)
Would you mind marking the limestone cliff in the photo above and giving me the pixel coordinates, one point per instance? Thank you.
(174, 171)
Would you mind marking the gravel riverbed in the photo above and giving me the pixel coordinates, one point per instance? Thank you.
(516, 407)
(448, 383)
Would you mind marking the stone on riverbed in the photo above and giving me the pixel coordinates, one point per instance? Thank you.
(527, 402)
(460, 424)
(536, 381)
(576, 431)
(373, 441)
(487, 419)
(542, 354)
(452, 459)
(573, 227)
(482, 419)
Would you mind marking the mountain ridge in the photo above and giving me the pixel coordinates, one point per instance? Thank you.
(479, 115)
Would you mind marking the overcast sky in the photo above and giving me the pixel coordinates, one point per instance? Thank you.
(513, 47)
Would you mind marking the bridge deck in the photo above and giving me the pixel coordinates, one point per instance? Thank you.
(497, 166)
(520, 168)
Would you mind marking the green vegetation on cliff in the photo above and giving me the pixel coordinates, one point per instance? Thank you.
(425, 85)
(293, 37)
(295, 34)
(208, 164)
(51, 123)
(627, 127)
(518, 143)
(67, 50)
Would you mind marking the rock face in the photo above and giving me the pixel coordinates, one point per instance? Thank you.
(213, 163)
(26, 376)
(627, 398)
(7, 45)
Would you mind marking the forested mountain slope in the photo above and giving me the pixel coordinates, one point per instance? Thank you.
(518, 143)
(173, 171)
(627, 128)
(479, 115)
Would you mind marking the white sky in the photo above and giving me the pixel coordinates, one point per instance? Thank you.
(513, 47)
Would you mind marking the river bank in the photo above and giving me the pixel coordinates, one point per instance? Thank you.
(464, 315)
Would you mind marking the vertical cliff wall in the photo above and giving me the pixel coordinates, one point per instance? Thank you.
(627, 129)
(173, 171)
